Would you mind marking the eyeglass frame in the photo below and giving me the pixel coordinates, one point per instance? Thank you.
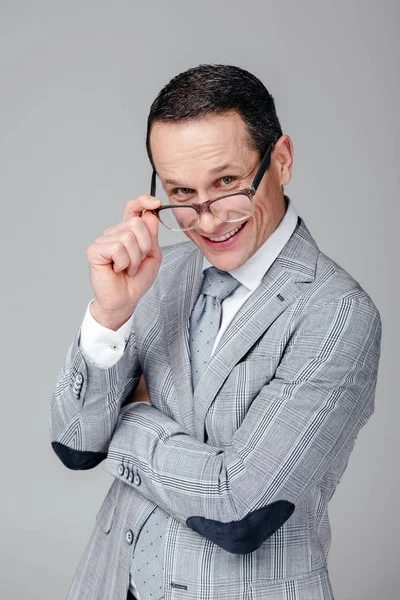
(205, 206)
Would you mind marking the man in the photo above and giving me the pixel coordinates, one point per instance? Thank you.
(256, 357)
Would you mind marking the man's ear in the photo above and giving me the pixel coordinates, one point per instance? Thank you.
(283, 159)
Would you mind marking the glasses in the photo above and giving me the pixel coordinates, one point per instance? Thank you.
(229, 208)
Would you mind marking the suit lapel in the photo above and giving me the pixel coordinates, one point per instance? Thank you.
(283, 282)
(177, 303)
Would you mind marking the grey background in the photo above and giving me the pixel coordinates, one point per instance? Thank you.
(77, 80)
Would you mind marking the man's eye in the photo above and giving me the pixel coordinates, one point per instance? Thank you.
(183, 191)
(230, 179)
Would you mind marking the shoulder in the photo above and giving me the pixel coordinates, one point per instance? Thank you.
(329, 286)
(333, 284)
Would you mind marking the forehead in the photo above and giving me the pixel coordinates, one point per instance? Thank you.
(206, 141)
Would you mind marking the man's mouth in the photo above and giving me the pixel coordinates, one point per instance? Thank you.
(228, 235)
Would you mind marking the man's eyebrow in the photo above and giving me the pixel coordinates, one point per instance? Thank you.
(173, 182)
(212, 171)
(224, 167)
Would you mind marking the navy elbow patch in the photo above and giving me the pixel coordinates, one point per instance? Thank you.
(246, 535)
(77, 460)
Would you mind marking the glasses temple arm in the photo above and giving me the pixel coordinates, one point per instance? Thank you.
(263, 167)
(153, 184)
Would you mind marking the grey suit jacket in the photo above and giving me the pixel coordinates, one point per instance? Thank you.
(245, 465)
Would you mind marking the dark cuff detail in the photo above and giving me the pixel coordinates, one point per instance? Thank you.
(246, 535)
(77, 460)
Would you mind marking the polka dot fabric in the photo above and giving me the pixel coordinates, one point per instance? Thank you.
(206, 318)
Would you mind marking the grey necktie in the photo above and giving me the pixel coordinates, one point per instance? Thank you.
(205, 319)
(148, 559)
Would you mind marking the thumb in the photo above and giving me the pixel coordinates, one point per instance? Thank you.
(152, 224)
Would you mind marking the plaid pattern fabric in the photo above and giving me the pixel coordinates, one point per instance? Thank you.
(281, 402)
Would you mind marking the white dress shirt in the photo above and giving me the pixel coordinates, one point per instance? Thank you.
(103, 347)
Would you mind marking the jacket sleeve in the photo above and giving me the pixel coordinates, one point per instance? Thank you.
(320, 397)
(86, 403)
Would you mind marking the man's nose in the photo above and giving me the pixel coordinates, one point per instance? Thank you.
(209, 222)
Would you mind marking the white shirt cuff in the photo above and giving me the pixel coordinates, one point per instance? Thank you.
(101, 346)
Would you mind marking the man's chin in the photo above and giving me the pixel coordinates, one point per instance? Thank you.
(225, 260)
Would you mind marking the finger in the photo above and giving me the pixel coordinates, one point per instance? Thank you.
(136, 206)
(124, 253)
(112, 253)
(124, 231)
(152, 224)
(130, 224)
(127, 220)
(132, 250)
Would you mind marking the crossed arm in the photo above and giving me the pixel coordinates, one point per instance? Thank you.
(320, 397)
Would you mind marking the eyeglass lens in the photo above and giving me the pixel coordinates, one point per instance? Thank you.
(229, 209)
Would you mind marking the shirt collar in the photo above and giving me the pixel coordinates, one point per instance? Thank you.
(253, 270)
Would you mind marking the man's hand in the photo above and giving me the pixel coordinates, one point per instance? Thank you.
(124, 263)
(140, 394)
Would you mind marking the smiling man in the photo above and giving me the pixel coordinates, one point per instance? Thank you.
(220, 144)
(223, 380)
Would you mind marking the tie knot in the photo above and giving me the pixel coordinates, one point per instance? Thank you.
(218, 284)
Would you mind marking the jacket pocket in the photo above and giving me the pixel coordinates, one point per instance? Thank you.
(105, 516)
(250, 371)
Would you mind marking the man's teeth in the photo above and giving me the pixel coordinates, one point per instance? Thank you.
(227, 235)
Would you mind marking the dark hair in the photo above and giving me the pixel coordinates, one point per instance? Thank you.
(210, 89)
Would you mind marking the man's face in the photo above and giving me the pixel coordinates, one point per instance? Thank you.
(206, 158)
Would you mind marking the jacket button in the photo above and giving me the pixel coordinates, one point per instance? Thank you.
(79, 378)
(126, 473)
(121, 469)
(129, 536)
(137, 480)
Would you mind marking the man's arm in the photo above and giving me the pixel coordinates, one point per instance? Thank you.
(321, 396)
(99, 369)
(124, 262)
